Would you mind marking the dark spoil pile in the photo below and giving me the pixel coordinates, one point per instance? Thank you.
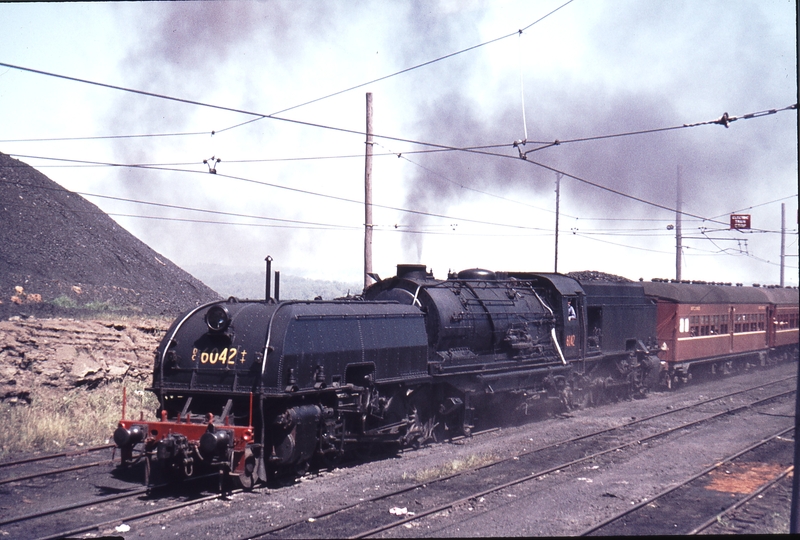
(60, 254)
(587, 276)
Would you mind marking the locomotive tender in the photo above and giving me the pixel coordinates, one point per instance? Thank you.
(248, 386)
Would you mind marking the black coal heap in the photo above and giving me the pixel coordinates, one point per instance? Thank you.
(60, 253)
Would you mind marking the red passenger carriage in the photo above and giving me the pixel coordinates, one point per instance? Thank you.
(720, 327)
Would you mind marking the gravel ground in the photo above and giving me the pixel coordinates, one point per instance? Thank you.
(543, 508)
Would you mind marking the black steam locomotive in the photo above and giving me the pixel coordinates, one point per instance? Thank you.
(250, 387)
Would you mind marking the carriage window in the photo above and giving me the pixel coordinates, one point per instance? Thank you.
(749, 322)
(786, 321)
(742, 323)
(694, 325)
(705, 325)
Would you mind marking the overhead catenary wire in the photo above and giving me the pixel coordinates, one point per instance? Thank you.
(312, 224)
(283, 223)
(260, 116)
(406, 70)
(727, 119)
(756, 206)
(345, 199)
(720, 251)
(296, 224)
(524, 155)
(324, 195)
(724, 120)
(462, 186)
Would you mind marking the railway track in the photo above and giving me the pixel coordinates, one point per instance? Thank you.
(745, 516)
(9, 470)
(33, 525)
(59, 455)
(21, 470)
(713, 488)
(458, 490)
(438, 495)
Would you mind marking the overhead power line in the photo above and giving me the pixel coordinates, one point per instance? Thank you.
(402, 71)
(405, 210)
(309, 224)
(725, 120)
(260, 116)
(309, 192)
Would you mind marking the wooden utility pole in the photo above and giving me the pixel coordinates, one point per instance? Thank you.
(368, 197)
(678, 239)
(558, 202)
(783, 240)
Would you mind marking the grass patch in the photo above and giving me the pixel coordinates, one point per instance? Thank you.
(65, 301)
(95, 307)
(80, 417)
(100, 306)
(454, 466)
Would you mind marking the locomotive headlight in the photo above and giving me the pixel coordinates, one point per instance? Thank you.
(218, 319)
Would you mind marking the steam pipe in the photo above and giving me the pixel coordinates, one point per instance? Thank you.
(269, 275)
(277, 285)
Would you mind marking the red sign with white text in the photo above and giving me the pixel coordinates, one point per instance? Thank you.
(740, 221)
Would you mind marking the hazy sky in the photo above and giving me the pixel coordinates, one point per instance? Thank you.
(292, 186)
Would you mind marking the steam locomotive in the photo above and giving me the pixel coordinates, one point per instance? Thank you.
(253, 388)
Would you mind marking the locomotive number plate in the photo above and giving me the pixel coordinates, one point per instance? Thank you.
(226, 356)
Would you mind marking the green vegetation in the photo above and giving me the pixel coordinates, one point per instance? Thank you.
(101, 306)
(65, 301)
(95, 308)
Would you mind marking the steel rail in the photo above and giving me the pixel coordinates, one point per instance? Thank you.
(74, 506)
(703, 526)
(549, 446)
(141, 515)
(538, 474)
(56, 471)
(149, 513)
(705, 471)
(55, 456)
(83, 504)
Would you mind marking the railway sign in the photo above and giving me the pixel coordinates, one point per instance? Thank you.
(740, 221)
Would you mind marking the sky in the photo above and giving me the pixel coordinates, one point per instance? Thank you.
(469, 100)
